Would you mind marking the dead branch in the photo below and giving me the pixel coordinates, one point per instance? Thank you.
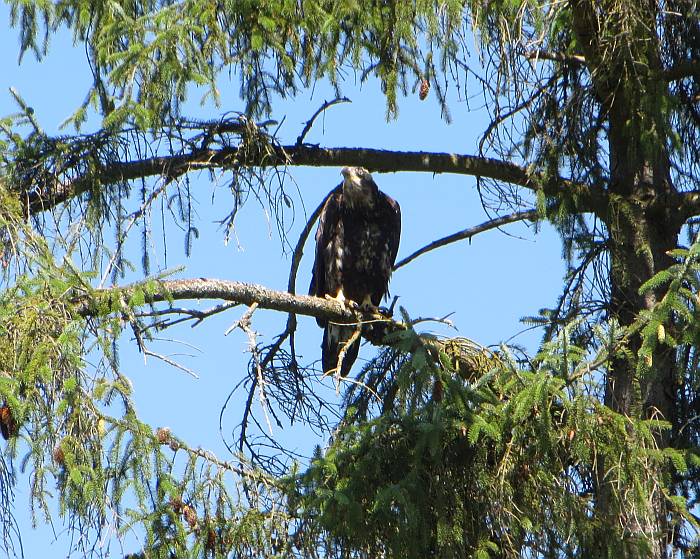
(271, 351)
(244, 323)
(226, 290)
(539, 54)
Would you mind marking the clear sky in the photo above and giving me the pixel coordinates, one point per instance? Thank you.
(488, 284)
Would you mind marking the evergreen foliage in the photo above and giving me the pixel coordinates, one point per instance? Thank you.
(444, 448)
(502, 464)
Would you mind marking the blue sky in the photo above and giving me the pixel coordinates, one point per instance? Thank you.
(488, 284)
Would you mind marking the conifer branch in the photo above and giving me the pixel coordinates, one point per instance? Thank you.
(276, 155)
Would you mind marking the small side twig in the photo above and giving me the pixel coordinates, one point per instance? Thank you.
(172, 362)
(341, 355)
(322, 108)
(244, 322)
(189, 314)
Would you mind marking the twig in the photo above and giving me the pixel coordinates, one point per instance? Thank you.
(555, 56)
(322, 108)
(169, 361)
(27, 111)
(244, 324)
(191, 314)
(470, 232)
(244, 321)
(341, 355)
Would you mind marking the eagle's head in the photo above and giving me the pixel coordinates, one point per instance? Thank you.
(359, 187)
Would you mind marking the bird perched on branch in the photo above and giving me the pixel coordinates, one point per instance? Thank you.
(356, 245)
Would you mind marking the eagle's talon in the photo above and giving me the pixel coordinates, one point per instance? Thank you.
(367, 305)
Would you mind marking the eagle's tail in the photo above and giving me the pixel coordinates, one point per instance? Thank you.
(337, 340)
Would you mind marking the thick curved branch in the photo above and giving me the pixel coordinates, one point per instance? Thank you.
(172, 166)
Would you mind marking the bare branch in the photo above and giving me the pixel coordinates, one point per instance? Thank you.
(232, 291)
(290, 328)
(555, 56)
(244, 322)
(322, 108)
(468, 233)
(170, 362)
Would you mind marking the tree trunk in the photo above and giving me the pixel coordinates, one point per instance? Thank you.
(622, 55)
(642, 226)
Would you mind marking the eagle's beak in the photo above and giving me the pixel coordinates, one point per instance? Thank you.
(346, 172)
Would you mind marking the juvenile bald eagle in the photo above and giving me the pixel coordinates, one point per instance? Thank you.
(356, 245)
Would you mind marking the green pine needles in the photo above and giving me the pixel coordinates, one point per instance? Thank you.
(504, 464)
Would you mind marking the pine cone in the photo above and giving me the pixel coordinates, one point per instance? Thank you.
(8, 425)
(163, 435)
(424, 89)
(190, 515)
(58, 455)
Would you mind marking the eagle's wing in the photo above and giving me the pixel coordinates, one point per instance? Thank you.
(327, 227)
(394, 223)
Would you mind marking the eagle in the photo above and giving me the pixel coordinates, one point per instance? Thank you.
(356, 245)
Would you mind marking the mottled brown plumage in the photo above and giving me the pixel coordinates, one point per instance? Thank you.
(356, 245)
